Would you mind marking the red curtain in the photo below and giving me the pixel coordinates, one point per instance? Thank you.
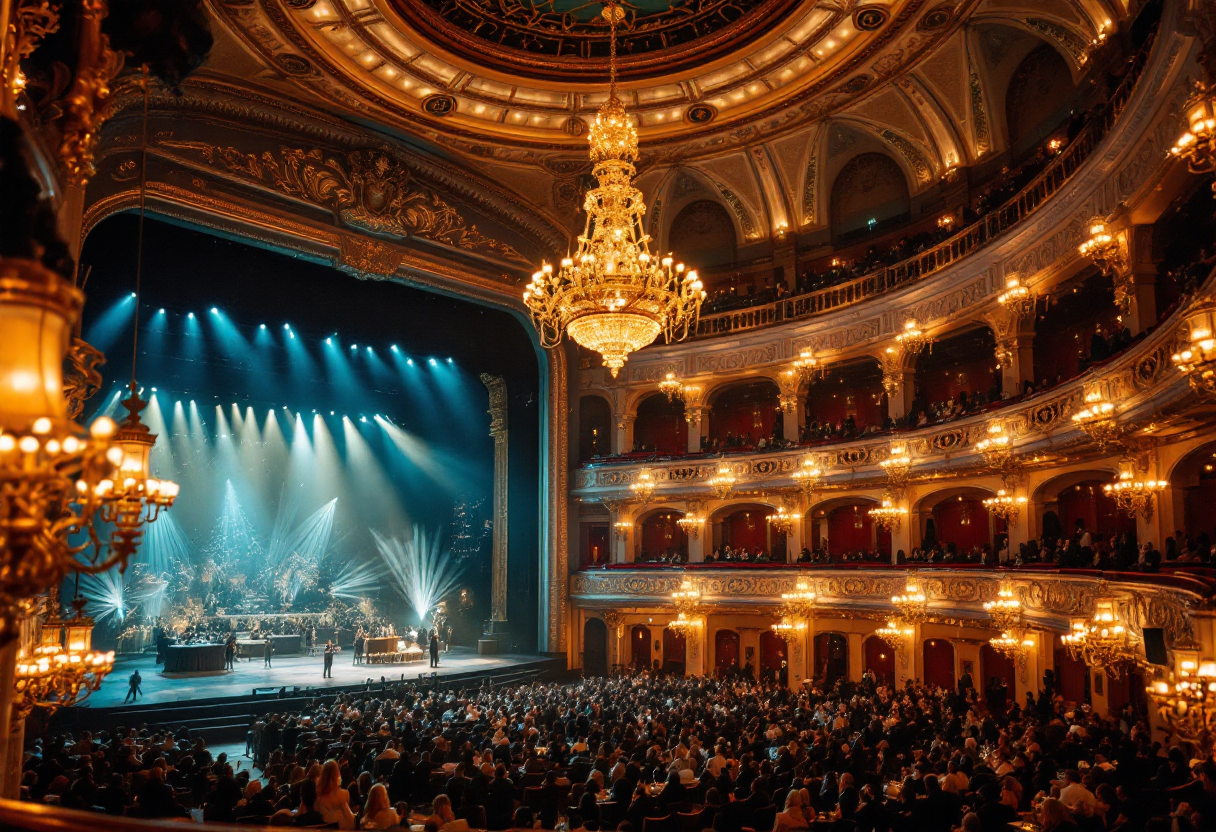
(660, 426)
(674, 649)
(1070, 675)
(747, 528)
(829, 402)
(661, 532)
(938, 385)
(1087, 502)
(738, 410)
(879, 659)
(593, 543)
(773, 651)
(1198, 511)
(639, 641)
(843, 532)
(963, 523)
(726, 650)
(939, 663)
(995, 663)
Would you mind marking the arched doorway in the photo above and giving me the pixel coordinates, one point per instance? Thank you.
(743, 414)
(660, 426)
(773, 651)
(639, 644)
(869, 190)
(1194, 480)
(661, 537)
(995, 664)
(962, 521)
(746, 527)
(594, 424)
(595, 647)
(675, 650)
(939, 663)
(831, 658)
(726, 651)
(879, 659)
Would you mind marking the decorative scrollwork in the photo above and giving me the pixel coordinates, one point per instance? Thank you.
(82, 379)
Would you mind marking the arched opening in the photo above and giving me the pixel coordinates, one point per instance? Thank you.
(847, 530)
(1039, 95)
(661, 538)
(999, 678)
(962, 525)
(1079, 329)
(594, 426)
(939, 663)
(957, 377)
(639, 645)
(593, 544)
(1193, 484)
(742, 531)
(595, 647)
(846, 402)
(744, 414)
(879, 659)
(773, 653)
(869, 195)
(1071, 675)
(704, 227)
(831, 659)
(1086, 507)
(675, 651)
(726, 651)
(660, 426)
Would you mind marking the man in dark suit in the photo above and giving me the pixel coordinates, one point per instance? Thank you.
(434, 649)
(328, 672)
(268, 651)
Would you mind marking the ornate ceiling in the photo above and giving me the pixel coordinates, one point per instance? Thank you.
(753, 103)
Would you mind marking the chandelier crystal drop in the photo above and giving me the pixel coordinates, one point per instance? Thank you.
(1005, 506)
(613, 296)
(723, 482)
(896, 633)
(1133, 494)
(1017, 298)
(888, 514)
(1006, 610)
(1097, 418)
(912, 603)
(643, 485)
(1011, 645)
(801, 602)
(789, 630)
(691, 524)
(685, 625)
(913, 340)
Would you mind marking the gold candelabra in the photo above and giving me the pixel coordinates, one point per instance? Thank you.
(1103, 641)
(686, 625)
(806, 366)
(809, 473)
(897, 465)
(1005, 506)
(63, 669)
(622, 528)
(1198, 143)
(896, 634)
(1012, 645)
(913, 340)
(888, 514)
(781, 521)
(613, 296)
(1102, 247)
(687, 598)
(643, 485)
(723, 482)
(1098, 416)
(801, 602)
(912, 603)
(1133, 494)
(789, 631)
(691, 524)
(671, 387)
(1018, 299)
(1006, 610)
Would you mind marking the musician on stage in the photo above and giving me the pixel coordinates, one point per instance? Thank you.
(359, 641)
(434, 648)
(328, 672)
(230, 652)
(269, 650)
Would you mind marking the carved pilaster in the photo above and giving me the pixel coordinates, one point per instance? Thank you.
(554, 568)
(498, 568)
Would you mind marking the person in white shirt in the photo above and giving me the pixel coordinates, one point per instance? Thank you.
(716, 763)
(1074, 793)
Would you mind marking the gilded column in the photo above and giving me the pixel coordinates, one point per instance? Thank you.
(554, 572)
(498, 562)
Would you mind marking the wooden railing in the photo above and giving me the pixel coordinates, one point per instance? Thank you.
(968, 240)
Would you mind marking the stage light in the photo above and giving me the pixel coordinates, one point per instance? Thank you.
(449, 360)
(369, 349)
(214, 311)
(292, 334)
(329, 341)
(362, 418)
(153, 389)
(431, 361)
(263, 326)
(190, 315)
(394, 348)
(331, 413)
(132, 294)
(354, 346)
(409, 361)
(160, 311)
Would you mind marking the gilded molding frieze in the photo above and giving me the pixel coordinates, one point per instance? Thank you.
(1049, 600)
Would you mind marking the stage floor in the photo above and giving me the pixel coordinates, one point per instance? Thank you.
(304, 671)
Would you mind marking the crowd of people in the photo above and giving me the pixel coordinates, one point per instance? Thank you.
(651, 751)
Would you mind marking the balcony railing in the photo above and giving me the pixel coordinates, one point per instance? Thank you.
(968, 240)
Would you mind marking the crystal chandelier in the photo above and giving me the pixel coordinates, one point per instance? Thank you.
(807, 366)
(895, 634)
(63, 669)
(1132, 494)
(685, 625)
(1006, 610)
(1005, 507)
(912, 340)
(1198, 358)
(897, 465)
(1186, 702)
(613, 297)
(671, 387)
(687, 598)
(789, 631)
(643, 485)
(888, 514)
(723, 482)
(1198, 144)
(1018, 299)
(622, 528)
(691, 524)
(801, 602)
(1011, 645)
(1102, 247)
(807, 476)
(997, 446)
(912, 603)
(1097, 417)
(781, 521)
(1102, 642)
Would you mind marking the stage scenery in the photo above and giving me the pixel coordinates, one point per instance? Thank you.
(608, 415)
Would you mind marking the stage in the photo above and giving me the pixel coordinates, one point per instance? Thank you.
(288, 671)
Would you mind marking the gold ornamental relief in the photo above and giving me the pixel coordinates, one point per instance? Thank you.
(368, 189)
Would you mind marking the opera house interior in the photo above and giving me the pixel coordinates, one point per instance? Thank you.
(759, 414)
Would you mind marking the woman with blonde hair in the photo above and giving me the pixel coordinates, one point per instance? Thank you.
(333, 801)
(797, 814)
(377, 809)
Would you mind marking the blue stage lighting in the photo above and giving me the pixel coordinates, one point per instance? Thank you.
(292, 334)
(214, 311)
(160, 311)
(369, 349)
(449, 360)
(409, 361)
(432, 362)
(331, 413)
(263, 326)
(132, 294)
(190, 315)
(153, 389)
(362, 418)
(286, 326)
(354, 346)
(394, 348)
(329, 340)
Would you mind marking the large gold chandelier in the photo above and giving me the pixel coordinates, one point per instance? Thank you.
(789, 631)
(723, 481)
(1005, 506)
(613, 296)
(807, 477)
(64, 668)
(912, 603)
(1006, 610)
(801, 602)
(1198, 143)
(687, 601)
(1187, 701)
(896, 633)
(1133, 494)
(1011, 645)
(1102, 642)
(888, 514)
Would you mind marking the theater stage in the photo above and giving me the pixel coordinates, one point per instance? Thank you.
(288, 671)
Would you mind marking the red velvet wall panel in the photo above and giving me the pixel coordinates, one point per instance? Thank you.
(726, 651)
(831, 403)
(661, 532)
(1198, 512)
(674, 647)
(1070, 675)
(963, 523)
(939, 663)
(639, 643)
(879, 659)
(746, 528)
(1086, 501)
(773, 651)
(749, 409)
(660, 426)
(939, 385)
(993, 663)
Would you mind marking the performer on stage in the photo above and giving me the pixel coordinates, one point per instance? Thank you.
(269, 650)
(230, 652)
(329, 661)
(359, 638)
(133, 687)
(434, 649)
